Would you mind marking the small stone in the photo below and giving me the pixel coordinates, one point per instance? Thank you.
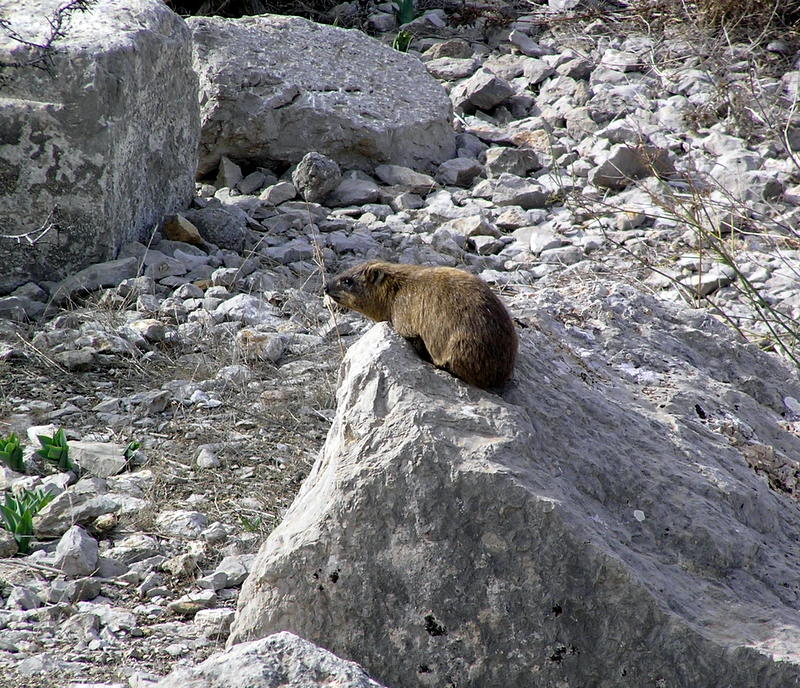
(526, 45)
(98, 458)
(214, 623)
(544, 239)
(190, 604)
(517, 161)
(315, 176)
(178, 228)
(207, 458)
(181, 523)
(353, 191)
(213, 581)
(397, 175)
(77, 360)
(235, 567)
(513, 190)
(76, 553)
(278, 193)
(255, 344)
(8, 545)
(458, 172)
(451, 68)
(252, 182)
(22, 597)
(623, 164)
(229, 174)
(151, 329)
(483, 90)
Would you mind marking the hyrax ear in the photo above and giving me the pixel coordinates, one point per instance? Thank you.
(374, 275)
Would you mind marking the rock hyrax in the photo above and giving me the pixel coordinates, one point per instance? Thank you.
(451, 317)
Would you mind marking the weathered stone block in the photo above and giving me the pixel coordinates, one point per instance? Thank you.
(101, 146)
(275, 88)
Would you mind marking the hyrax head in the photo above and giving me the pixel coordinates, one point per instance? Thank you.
(364, 288)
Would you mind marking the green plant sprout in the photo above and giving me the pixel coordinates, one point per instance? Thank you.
(402, 41)
(55, 450)
(11, 453)
(18, 512)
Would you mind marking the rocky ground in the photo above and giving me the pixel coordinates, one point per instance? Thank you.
(586, 148)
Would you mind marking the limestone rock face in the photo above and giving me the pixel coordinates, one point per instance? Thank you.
(275, 87)
(100, 148)
(598, 524)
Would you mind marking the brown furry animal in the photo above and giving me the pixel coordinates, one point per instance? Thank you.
(451, 317)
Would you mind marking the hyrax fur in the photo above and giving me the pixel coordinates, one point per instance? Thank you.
(451, 317)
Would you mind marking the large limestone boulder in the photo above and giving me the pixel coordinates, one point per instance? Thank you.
(275, 88)
(597, 525)
(95, 151)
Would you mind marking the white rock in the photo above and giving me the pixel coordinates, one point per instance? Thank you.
(247, 309)
(280, 661)
(76, 145)
(214, 623)
(181, 523)
(268, 93)
(546, 504)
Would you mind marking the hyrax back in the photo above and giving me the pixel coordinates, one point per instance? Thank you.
(455, 316)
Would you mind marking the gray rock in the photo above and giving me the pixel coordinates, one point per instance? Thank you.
(398, 175)
(275, 87)
(278, 193)
(474, 225)
(708, 281)
(451, 68)
(247, 309)
(513, 190)
(80, 504)
(108, 274)
(453, 47)
(291, 252)
(254, 344)
(229, 173)
(76, 553)
(526, 45)
(68, 192)
(518, 161)
(134, 548)
(623, 164)
(582, 531)
(315, 176)
(22, 597)
(458, 172)
(280, 661)
(621, 60)
(221, 226)
(101, 459)
(235, 568)
(20, 308)
(253, 182)
(207, 458)
(353, 191)
(483, 90)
